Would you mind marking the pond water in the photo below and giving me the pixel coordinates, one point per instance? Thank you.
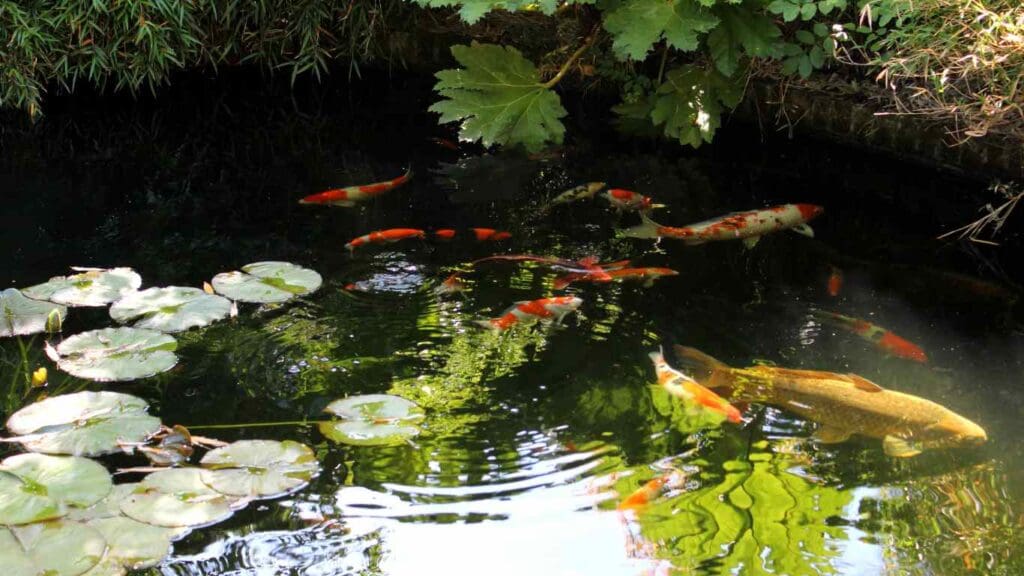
(533, 436)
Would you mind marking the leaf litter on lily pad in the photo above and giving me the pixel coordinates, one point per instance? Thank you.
(372, 420)
(89, 287)
(115, 354)
(35, 487)
(171, 309)
(83, 423)
(21, 316)
(55, 548)
(259, 468)
(267, 282)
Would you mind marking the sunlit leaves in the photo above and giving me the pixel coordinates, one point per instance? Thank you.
(20, 315)
(177, 497)
(498, 98)
(37, 487)
(170, 309)
(472, 10)
(267, 282)
(372, 420)
(742, 30)
(259, 468)
(114, 354)
(89, 287)
(58, 548)
(636, 25)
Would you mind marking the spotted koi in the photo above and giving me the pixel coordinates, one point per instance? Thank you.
(645, 275)
(350, 195)
(689, 390)
(541, 309)
(627, 200)
(390, 235)
(748, 226)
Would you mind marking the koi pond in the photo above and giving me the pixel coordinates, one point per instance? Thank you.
(519, 446)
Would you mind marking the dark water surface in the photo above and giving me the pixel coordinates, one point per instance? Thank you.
(533, 436)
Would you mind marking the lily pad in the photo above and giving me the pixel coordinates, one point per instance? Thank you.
(37, 487)
(177, 497)
(259, 468)
(171, 309)
(57, 548)
(108, 507)
(20, 316)
(83, 424)
(90, 287)
(114, 354)
(267, 282)
(133, 544)
(372, 420)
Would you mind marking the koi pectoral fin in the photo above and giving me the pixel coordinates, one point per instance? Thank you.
(899, 448)
(751, 241)
(831, 435)
(803, 230)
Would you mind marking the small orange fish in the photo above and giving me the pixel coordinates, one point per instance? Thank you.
(490, 234)
(687, 389)
(451, 285)
(643, 495)
(628, 200)
(350, 195)
(541, 309)
(647, 275)
(882, 338)
(444, 234)
(835, 282)
(390, 235)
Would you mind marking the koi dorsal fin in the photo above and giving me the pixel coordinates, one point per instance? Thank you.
(864, 384)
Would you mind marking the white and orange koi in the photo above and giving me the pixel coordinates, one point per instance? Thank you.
(451, 285)
(645, 275)
(350, 195)
(541, 309)
(581, 192)
(642, 496)
(689, 390)
(748, 226)
(629, 201)
(390, 235)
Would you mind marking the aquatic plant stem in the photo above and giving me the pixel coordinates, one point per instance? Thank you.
(257, 424)
(572, 59)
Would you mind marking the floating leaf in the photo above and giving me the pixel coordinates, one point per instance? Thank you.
(37, 487)
(20, 315)
(267, 282)
(177, 497)
(114, 354)
(372, 420)
(108, 507)
(259, 468)
(171, 309)
(57, 548)
(499, 98)
(83, 424)
(133, 544)
(636, 25)
(90, 287)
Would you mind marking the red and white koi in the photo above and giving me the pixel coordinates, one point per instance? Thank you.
(689, 390)
(490, 234)
(883, 339)
(541, 309)
(643, 495)
(350, 195)
(629, 201)
(388, 236)
(646, 275)
(451, 285)
(748, 226)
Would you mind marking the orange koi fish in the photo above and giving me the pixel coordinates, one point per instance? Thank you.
(541, 309)
(646, 275)
(882, 338)
(689, 390)
(451, 285)
(629, 201)
(650, 490)
(835, 282)
(390, 235)
(748, 226)
(444, 234)
(350, 195)
(490, 234)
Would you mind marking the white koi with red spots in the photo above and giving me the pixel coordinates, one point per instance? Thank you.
(350, 195)
(541, 309)
(748, 226)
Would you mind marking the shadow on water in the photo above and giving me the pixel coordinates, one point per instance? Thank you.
(534, 435)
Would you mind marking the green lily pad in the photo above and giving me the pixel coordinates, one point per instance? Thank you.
(90, 287)
(20, 316)
(37, 487)
(171, 309)
(259, 468)
(57, 548)
(83, 424)
(177, 497)
(267, 282)
(372, 420)
(108, 507)
(134, 544)
(114, 354)
(107, 567)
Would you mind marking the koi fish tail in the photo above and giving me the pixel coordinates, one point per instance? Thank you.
(646, 229)
(706, 370)
(835, 319)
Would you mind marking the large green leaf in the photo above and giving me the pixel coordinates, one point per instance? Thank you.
(114, 354)
(57, 548)
(83, 423)
(177, 497)
(743, 30)
(499, 98)
(267, 282)
(259, 468)
(472, 10)
(170, 309)
(20, 315)
(37, 487)
(689, 104)
(90, 287)
(636, 25)
(372, 420)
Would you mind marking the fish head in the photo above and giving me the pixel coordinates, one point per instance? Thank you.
(955, 430)
(659, 272)
(809, 211)
(563, 304)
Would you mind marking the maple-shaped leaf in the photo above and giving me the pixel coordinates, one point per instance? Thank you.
(743, 30)
(689, 104)
(636, 25)
(499, 98)
(472, 10)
